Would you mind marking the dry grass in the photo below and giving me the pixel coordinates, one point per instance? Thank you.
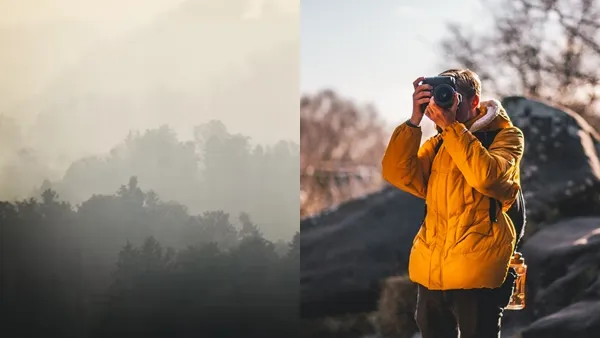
(348, 326)
(397, 305)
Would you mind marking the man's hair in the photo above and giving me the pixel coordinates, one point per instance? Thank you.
(467, 82)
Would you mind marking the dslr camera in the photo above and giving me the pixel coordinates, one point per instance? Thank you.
(443, 90)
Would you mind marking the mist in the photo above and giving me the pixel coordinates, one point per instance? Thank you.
(94, 92)
(149, 155)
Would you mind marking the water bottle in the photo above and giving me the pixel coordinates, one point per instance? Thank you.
(517, 300)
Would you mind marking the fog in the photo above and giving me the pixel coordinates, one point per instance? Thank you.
(94, 92)
(149, 166)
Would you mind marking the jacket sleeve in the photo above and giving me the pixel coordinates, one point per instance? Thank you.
(491, 172)
(406, 165)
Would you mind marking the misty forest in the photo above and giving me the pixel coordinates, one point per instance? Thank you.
(140, 194)
(129, 263)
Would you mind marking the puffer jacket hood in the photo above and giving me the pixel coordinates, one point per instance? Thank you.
(491, 116)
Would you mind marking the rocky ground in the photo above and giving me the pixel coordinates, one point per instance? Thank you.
(354, 256)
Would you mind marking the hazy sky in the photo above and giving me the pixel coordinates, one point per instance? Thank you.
(122, 13)
(25, 23)
(51, 45)
(372, 50)
(78, 75)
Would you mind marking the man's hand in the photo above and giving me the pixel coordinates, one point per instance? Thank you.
(440, 116)
(421, 96)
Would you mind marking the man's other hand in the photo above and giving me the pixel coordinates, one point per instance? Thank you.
(440, 116)
(421, 95)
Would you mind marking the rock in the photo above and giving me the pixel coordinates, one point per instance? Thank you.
(563, 275)
(562, 240)
(346, 252)
(593, 291)
(581, 320)
(560, 167)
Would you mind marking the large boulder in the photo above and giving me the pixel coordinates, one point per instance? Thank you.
(564, 279)
(560, 168)
(347, 252)
(581, 320)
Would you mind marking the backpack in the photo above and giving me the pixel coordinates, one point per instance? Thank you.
(517, 211)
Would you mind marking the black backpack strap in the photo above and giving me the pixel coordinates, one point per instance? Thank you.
(493, 211)
(518, 215)
(487, 138)
(437, 148)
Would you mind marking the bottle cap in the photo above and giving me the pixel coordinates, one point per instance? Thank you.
(517, 258)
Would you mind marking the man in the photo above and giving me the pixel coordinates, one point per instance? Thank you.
(460, 257)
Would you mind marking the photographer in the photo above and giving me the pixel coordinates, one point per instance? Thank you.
(460, 256)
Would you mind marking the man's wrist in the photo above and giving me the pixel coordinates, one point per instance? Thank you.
(413, 122)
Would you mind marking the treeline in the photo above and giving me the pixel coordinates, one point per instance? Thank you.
(132, 265)
(214, 170)
(341, 143)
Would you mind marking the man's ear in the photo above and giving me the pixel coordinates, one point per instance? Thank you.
(475, 101)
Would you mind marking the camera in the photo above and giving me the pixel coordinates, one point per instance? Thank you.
(443, 90)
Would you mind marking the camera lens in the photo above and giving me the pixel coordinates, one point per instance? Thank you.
(444, 95)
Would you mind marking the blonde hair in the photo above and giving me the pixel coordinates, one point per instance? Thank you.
(467, 82)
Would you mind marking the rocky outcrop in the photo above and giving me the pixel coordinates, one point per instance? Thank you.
(347, 252)
(581, 320)
(560, 169)
(564, 279)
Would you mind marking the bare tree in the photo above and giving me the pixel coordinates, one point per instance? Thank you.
(341, 146)
(547, 49)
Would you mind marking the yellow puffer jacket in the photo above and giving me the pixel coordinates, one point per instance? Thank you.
(457, 246)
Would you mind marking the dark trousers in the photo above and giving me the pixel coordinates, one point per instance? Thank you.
(477, 313)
